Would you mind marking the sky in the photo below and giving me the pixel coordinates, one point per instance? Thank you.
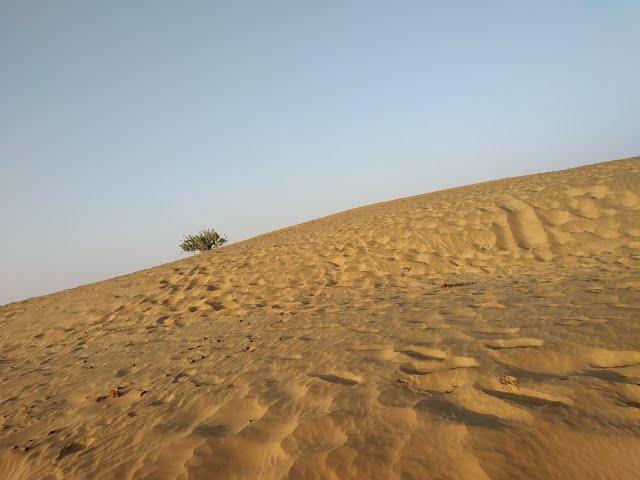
(125, 125)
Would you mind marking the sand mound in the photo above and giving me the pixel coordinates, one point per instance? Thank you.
(488, 331)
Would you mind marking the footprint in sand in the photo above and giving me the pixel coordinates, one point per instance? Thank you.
(522, 342)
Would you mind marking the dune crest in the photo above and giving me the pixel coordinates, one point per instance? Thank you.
(486, 331)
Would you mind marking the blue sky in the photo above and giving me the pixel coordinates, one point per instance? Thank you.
(125, 125)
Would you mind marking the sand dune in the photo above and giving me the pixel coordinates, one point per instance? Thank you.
(333, 350)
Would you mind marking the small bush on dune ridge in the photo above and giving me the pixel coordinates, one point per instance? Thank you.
(205, 240)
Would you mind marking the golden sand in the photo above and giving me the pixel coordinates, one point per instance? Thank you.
(484, 332)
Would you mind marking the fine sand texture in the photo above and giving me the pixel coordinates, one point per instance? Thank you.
(485, 332)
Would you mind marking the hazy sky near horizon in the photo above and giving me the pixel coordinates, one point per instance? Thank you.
(125, 125)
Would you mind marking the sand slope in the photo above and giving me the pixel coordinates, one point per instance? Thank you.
(333, 349)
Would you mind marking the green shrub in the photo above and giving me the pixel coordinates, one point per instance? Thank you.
(205, 240)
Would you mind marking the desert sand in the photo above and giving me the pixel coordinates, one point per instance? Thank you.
(490, 331)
